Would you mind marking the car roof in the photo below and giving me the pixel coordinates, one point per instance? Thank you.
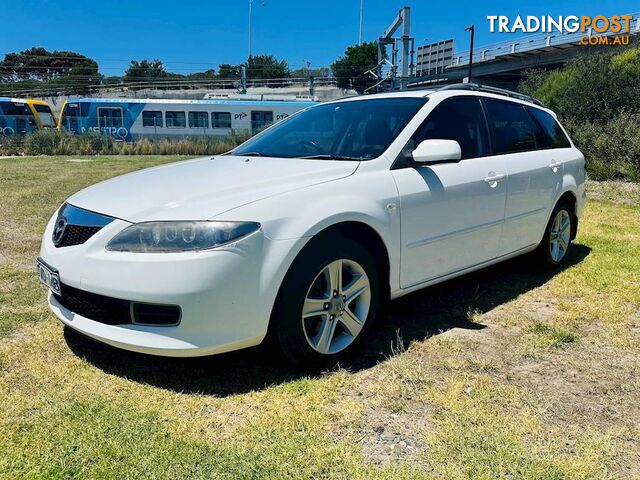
(441, 93)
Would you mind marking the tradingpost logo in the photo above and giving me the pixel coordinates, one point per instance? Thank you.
(597, 30)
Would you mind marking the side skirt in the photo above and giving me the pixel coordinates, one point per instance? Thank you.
(443, 278)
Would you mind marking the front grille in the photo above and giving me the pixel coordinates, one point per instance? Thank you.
(77, 235)
(108, 310)
(74, 225)
(116, 311)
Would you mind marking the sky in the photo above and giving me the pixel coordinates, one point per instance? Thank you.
(191, 35)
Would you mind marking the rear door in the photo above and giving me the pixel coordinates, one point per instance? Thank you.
(534, 177)
(451, 214)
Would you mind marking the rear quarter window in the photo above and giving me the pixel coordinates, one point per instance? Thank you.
(554, 136)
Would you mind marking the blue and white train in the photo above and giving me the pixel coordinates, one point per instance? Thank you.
(131, 119)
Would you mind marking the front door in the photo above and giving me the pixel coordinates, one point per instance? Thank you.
(451, 214)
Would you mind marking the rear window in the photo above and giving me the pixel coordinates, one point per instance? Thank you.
(512, 128)
(553, 136)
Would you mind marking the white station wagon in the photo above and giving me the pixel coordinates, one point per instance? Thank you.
(305, 230)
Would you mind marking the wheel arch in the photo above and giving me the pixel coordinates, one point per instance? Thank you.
(570, 198)
(364, 234)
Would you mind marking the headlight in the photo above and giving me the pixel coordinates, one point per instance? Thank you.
(179, 236)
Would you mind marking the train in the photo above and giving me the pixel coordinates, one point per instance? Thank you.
(20, 116)
(129, 119)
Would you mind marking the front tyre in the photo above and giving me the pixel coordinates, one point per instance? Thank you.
(327, 302)
(557, 237)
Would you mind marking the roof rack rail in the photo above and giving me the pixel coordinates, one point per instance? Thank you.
(498, 91)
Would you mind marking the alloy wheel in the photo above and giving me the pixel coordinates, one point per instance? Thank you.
(336, 306)
(560, 235)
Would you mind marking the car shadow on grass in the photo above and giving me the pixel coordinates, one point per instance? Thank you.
(414, 317)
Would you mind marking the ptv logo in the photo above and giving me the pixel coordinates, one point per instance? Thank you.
(239, 116)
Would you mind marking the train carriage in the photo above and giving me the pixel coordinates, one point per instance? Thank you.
(20, 116)
(132, 119)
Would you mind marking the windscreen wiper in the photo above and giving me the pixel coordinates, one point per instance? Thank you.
(331, 157)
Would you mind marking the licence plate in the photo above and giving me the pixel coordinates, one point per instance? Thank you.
(49, 276)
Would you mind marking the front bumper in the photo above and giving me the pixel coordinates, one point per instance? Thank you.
(224, 295)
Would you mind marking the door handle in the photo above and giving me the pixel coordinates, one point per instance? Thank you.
(494, 179)
(555, 166)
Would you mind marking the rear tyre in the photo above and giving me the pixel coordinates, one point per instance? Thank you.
(327, 302)
(557, 237)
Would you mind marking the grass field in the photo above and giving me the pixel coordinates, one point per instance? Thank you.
(507, 373)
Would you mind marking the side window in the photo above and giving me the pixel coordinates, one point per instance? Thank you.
(553, 136)
(512, 128)
(460, 119)
(152, 118)
(198, 120)
(175, 120)
(220, 120)
(110, 117)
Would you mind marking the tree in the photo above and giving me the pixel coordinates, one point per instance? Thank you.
(314, 72)
(209, 74)
(226, 70)
(38, 63)
(267, 66)
(145, 70)
(350, 69)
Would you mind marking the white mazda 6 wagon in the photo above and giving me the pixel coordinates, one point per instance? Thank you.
(305, 230)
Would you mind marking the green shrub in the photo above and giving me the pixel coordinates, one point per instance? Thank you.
(12, 145)
(597, 97)
(611, 149)
(591, 88)
(46, 142)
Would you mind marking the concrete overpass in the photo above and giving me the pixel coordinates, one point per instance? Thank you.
(502, 64)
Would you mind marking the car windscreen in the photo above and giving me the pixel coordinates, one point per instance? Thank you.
(352, 130)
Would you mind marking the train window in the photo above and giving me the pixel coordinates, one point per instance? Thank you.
(109, 117)
(152, 118)
(198, 120)
(220, 120)
(20, 115)
(46, 116)
(70, 117)
(260, 119)
(175, 120)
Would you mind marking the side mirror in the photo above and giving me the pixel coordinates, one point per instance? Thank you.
(437, 151)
